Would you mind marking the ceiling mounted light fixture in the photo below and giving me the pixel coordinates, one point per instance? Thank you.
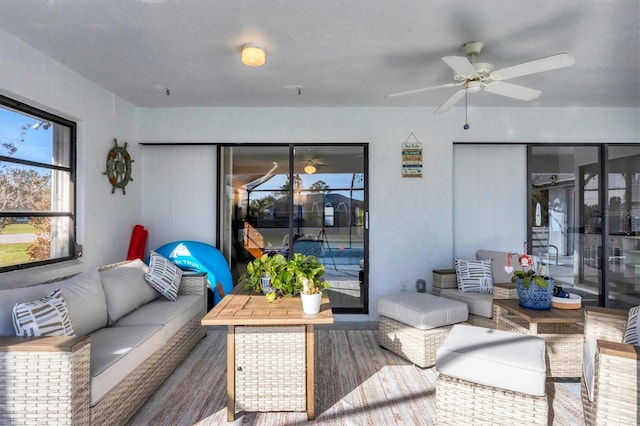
(253, 56)
(309, 169)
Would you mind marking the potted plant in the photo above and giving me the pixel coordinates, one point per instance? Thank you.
(276, 276)
(534, 291)
(311, 294)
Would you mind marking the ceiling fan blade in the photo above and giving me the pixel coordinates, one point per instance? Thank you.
(424, 89)
(512, 90)
(460, 65)
(449, 103)
(553, 62)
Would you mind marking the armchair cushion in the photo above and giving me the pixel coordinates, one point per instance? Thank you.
(589, 366)
(632, 333)
(474, 275)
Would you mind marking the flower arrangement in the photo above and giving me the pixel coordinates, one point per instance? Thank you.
(527, 273)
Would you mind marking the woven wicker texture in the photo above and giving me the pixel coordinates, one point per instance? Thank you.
(617, 379)
(564, 343)
(54, 387)
(460, 402)
(275, 380)
(415, 345)
(443, 278)
(44, 387)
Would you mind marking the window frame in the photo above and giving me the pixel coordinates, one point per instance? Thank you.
(20, 107)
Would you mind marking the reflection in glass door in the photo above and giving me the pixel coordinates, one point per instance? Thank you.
(307, 199)
(565, 216)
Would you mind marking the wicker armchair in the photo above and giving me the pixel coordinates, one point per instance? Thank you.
(616, 370)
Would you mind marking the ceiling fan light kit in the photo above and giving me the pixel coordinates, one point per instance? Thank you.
(253, 55)
(309, 169)
(475, 76)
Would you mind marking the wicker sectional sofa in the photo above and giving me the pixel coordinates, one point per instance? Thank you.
(128, 339)
(480, 304)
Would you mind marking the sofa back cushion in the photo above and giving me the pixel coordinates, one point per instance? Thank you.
(85, 300)
(498, 263)
(126, 289)
(83, 296)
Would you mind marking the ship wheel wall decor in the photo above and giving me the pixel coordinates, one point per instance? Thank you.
(118, 167)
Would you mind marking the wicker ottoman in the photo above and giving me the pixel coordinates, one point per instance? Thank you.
(490, 377)
(413, 325)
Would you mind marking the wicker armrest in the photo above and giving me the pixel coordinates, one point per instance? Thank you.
(193, 283)
(443, 278)
(45, 378)
(621, 350)
(604, 323)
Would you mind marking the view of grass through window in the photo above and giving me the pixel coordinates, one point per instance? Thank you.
(36, 188)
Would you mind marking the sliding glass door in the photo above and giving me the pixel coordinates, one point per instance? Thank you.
(298, 198)
(584, 219)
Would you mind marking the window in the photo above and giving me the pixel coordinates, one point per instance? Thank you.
(37, 187)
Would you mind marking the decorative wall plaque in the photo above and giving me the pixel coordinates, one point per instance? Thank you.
(412, 157)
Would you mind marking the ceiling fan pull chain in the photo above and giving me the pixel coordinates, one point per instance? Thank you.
(466, 118)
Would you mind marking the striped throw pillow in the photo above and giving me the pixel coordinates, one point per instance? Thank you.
(164, 276)
(632, 333)
(44, 317)
(474, 275)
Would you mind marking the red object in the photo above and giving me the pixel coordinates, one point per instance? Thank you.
(138, 242)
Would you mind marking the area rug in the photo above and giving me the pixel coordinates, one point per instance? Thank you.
(357, 383)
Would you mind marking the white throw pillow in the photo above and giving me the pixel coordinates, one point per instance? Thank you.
(474, 275)
(164, 276)
(44, 317)
(632, 333)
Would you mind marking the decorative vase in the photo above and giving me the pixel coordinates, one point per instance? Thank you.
(311, 303)
(535, 297)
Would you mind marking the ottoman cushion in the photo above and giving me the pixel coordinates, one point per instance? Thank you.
(422, 311)
(496, 358)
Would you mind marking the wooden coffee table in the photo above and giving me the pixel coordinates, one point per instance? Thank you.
(270, 351)
(561, 329)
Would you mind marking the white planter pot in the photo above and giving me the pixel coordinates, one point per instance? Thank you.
(311, 303)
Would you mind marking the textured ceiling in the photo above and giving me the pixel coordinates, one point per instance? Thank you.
(341, 52)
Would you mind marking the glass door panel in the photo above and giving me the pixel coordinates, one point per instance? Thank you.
(565, 217)
(329, 212)
(299, 198)
(623, 215)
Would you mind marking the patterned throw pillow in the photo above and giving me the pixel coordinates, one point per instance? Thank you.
(44, 317)
(164, 276)
(632, 334)
(474, 275)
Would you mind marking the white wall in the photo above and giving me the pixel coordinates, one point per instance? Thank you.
(411, 220)
(105, 220)
(489, 198)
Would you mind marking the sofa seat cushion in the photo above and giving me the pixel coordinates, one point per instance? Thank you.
(117, 351)
(422, 311)
(173, 315)
(478, 303)
(495, 358)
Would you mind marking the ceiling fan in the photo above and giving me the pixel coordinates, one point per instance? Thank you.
(474, 76)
